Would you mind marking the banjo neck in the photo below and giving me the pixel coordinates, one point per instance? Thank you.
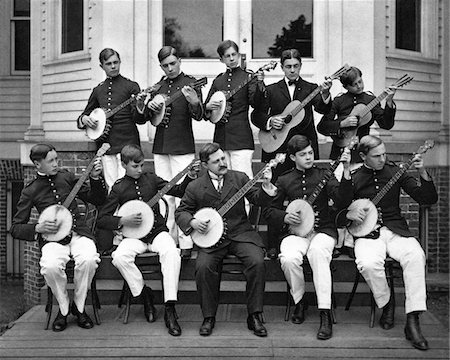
(73, 193)
(154, 200)
(196, 85)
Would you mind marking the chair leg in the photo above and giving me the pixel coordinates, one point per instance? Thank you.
(372, 311)
(355, 286)
(49, 306)
(333, 304)
(122, 294)
(95, 301)
(127, 304)
(288, 302)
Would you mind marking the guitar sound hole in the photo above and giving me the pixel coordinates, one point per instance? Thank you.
(288, 119)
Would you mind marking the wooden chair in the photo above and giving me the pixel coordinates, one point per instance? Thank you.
(148, 264)
(89, 212)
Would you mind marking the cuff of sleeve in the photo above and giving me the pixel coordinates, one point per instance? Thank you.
(270, 189)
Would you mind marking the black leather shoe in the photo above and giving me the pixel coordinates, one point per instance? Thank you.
(83, 319)
(60, 322)
(170, 318)
(387, 317)
(299, 312)
(326, 325)
(109, 251)
(413, 332)
(186, 254)
(207, 326)
(149, 309)
(272, 254)
(255, 324)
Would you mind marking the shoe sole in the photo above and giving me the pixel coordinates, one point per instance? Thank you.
(408, 337)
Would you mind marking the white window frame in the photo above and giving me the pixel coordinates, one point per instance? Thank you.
(429, 30)
(14, 19)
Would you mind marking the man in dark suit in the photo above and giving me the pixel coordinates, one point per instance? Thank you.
(214, 189)
(273, 100)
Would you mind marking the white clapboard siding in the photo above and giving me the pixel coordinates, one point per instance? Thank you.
(14, 107)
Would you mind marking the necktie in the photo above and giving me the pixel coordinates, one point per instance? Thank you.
(292, 82)
(219, 185)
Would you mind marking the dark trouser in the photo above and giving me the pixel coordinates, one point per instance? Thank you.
(207, 276)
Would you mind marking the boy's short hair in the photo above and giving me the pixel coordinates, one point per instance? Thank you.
(367, 143)
(131, 152)
(297, 143)
(349, 77)
(106, 53)
(225, 45)
(166, 51)
(207, 150)
(39, 152)
(290, 54)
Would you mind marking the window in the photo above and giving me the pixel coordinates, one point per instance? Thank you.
(407, 25)
(193, 27)
(20, 31)
(279, 25)
(72, 38)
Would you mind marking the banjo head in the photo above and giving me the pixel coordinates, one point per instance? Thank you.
(369, 223)
(63, 219)
(158, 117)
(307, 213)
(216, 115)
(148, 218)
(215, 228)
(100, 116)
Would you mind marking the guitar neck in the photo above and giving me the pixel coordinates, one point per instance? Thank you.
(73, 193)
(312, 198)
(374, 103)
(240, 194)
(305, 101)
(120, 107)
(229, 95)
(154, 200)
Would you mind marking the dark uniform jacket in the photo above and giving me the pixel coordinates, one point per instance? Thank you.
(176, 137)
(44, 191)
(342, 106)
(297, 184)
(202, 193)
(108, 95)
(144, 189)
(274, 100)
(368, 182)
(236, 133)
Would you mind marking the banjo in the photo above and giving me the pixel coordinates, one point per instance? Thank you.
(102, 116)
(61, 213)
(364, 228)
(214, 217)
(293, 114)
(145, 208)
(305, 208)
(166, 100)
(223, 97)
(364, 114)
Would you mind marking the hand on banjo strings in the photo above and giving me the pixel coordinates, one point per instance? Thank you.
(131, 220)
(47, 227)
(200, 225)
(293, 218)
(213, 105)
(89, 122)
(358, 214)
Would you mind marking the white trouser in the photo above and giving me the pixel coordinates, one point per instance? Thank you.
(370, 256)
(240, 160)
(169, 257)
(167, 167)
(112, 169)
(53, 265)
(319, 249)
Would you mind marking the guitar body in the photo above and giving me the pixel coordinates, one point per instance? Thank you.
(369, 223)
(215, 228)
(272, 140)
(306, 211)
(63, 219)
(364, 117)
(99, 115)
(157, 118)
(216, 115)
(148, 219)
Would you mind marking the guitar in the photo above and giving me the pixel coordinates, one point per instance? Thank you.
(101, 131)
(371, 218)
(214, 217)
(166, 100)
(305, 208)
(222, 96)
(364, 114)
(293, 114)
(60, 213)
(145, 208)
